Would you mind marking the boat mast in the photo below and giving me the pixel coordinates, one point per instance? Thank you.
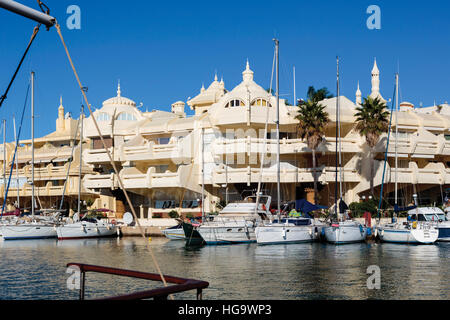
(32, 143)
(396, 139)
(277, 121)
(17, 164)
(4, 158)
(81, 160)
(295, 100)
(336, 154)
(339, 130)
(203, 174)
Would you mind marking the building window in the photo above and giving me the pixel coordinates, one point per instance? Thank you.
(261, 103)
(235, 103)
(126, 117)
(102, 116)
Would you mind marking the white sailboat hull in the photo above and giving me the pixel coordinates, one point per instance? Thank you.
(28, 232)
(83, 230)
(279, 234)
(345, 233)
(215, 235)
(413, 236)
(174, 234)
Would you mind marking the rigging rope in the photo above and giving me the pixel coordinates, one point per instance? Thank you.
(15, 152)
(58, 29)
(33, 36)
(265, 138)
(385, 158)
(70, 163)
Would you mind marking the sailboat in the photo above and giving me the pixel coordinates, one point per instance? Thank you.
(287, 230)
(341, 230)
(82, 228)
(420, 231)
(37, 227)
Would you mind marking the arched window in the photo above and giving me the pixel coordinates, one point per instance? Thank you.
(103, 116)
(235, 103)
(126, 117)
(261, 103)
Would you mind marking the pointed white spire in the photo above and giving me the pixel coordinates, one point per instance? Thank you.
(358, 95)
(118, 89)
(203, 88)
(247, 75)
(375, 70)
(215, 76)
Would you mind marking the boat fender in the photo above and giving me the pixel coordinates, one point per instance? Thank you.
(361, 229)
(323, 232)
(284, 233)
(369, 231)
(414, 225)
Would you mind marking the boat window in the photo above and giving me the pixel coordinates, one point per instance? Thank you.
(229, 230)
(423, 218)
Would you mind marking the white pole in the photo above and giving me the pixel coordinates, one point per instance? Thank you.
(203, 174)
(295, 100)
(396, 138)
(4, 159)
(17, 164)
(81, 161)
(32, 143)
(278, 128)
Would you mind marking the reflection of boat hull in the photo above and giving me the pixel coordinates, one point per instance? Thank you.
(85, 230)
(174, 233)
(413, 236)
(25, 232)
(444, 232)
(345, 233)
(279, 234)
(215, 235)
(192, 236)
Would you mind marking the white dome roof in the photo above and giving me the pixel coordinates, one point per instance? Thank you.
(119, 100)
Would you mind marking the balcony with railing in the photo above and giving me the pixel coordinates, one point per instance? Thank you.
(100, 155)
(132, 178)
(251, 145)
(100, 181)
(152, 151)
(287, 175)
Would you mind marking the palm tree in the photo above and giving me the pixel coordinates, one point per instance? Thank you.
(318, 95)
(312, 122)
(372, 120)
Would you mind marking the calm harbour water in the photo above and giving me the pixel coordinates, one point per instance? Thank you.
(36, 270)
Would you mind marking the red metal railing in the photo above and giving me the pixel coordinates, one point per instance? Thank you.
(180, 284)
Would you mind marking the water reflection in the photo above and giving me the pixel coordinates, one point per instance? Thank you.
(36, 269)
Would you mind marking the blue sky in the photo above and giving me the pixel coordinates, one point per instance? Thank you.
(163, 51)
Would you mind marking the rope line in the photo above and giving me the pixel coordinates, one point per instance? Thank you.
(33, 36)
(15, 153)
(58, 29)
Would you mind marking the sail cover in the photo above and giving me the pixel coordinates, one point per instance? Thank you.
(306, 206)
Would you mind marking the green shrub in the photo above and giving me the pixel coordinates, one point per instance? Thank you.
(359, 208)
(174, 214)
